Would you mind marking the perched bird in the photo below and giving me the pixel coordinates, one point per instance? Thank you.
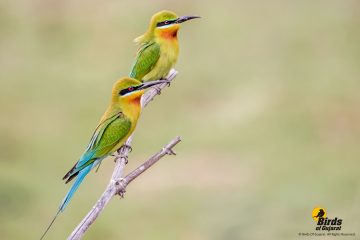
(115, 126)
(158, 47)
(320, 214)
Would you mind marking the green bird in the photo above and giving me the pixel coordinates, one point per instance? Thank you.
(115, 126)
(158, 47)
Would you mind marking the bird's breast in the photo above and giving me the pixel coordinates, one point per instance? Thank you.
(169, 53)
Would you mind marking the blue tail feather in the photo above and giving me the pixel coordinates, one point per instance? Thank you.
(80, 177)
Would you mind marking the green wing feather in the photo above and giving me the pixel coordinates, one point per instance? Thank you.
(106, 136)
(112, 134)
(145, 61)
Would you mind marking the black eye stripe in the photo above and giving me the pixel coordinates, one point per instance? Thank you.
(127, 90)
(166, 22)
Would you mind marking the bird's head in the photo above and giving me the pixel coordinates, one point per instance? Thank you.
(128, 90)
(164, 24)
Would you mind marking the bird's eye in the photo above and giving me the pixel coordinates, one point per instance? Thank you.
(166, 22)
(130, 89)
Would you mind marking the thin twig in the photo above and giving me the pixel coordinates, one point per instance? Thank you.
(167, 150)
(117, 184)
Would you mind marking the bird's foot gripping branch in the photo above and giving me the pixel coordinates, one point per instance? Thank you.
(118, 183)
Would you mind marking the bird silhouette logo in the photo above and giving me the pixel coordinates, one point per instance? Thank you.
(318, 213)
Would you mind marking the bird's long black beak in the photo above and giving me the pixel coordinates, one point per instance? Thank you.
(146, 85)
(185, 18)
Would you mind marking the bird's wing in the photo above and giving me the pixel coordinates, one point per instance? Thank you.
(146, 58)
(108, 133)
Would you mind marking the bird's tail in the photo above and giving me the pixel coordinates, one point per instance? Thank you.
(65, 202)
(74, 187)
(51, 223)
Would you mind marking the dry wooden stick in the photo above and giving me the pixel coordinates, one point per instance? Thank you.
(117, 184)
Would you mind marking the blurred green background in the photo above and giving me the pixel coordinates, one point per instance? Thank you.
(266, 102)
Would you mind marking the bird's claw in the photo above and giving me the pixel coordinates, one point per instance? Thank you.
(122, 193)
(169, 151)
(122, 190)
(167, 81)
(117, 156)
(126, 146)
(158, 90)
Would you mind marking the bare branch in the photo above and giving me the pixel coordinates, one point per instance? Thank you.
(117, 184)
(151, 161)
(149, 95)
